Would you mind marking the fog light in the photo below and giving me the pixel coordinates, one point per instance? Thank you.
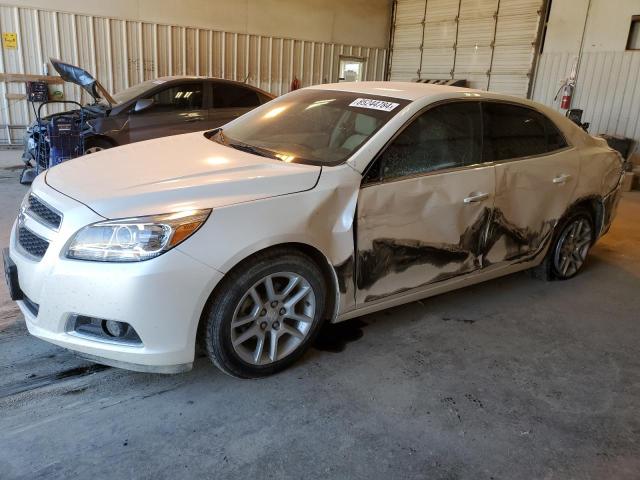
(104, 330)
(115, 329)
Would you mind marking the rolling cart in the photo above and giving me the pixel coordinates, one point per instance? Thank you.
(57, 140)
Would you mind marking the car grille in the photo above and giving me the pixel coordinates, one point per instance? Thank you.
(31, 243)
(43, 212)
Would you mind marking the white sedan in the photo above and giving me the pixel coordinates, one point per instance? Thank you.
(325, 204)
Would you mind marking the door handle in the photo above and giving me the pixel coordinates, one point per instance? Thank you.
(476, 197)
(561, 179)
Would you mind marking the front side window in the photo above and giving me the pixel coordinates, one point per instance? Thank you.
(226, 95)
(179, 97)
(317, 127)
(512, 131)
(444, 137)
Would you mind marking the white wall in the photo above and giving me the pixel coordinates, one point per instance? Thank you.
(607, 26)
(356, 22)
(265, 43)
(608, 77)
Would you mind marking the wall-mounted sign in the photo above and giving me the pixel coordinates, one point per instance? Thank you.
(56, 91)
(10, 40)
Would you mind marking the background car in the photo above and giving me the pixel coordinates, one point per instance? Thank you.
(155, 108)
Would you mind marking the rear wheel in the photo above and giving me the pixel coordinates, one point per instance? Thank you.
(265, 314)
(569, 249)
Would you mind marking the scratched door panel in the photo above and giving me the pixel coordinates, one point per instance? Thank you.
(419, 230)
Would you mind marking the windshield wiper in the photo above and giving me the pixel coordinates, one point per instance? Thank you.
(254, 150)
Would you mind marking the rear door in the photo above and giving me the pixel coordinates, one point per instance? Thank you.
(229, 101)
(176, 109)
(425, 204)
(535, 179)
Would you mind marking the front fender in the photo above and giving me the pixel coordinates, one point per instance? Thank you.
(321, 218)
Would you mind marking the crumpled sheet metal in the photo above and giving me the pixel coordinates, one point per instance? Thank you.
(418, 231)
(412, 232)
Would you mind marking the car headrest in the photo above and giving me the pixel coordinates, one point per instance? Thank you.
(365, 125)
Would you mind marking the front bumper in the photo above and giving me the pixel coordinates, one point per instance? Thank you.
(162, 298)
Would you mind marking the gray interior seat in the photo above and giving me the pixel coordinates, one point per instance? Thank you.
(364, 126)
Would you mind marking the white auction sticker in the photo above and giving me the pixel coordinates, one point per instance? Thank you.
(373, 104)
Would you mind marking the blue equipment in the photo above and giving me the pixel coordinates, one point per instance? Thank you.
(65, 139)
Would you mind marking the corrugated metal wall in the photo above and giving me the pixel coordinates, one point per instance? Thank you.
(490, 43)
(607, 88)
(121, 53)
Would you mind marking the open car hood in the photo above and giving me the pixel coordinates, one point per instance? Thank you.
(71, 73)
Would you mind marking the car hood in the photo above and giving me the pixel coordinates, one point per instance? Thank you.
(175, 173)
(78, 76)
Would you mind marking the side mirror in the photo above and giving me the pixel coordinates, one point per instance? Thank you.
(143, 104)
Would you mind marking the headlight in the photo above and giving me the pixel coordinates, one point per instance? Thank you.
(134, 239)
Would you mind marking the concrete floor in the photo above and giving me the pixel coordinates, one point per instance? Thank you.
(514, 378)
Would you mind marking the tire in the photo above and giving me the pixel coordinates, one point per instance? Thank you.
(92, 145)
(242, 314)
(572, 239)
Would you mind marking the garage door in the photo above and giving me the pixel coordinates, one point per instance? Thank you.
(489, 43)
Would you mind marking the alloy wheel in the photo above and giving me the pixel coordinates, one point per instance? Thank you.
(273, 318)
(572, 247)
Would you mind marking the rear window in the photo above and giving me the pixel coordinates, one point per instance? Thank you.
(512, 131)
(226, 95)
(319, 127)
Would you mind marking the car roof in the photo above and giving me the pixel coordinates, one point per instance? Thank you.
(406, 90)
(429, 92)
(177, 78)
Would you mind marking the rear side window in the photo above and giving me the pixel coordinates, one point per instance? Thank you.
(512, 131)
(555, 139)
(447, 136)
(263, 98)
(234, 96)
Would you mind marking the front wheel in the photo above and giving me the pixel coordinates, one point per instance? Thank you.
(93, 145)
(265, 314)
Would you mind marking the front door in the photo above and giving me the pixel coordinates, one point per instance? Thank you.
(176, 109)
(425, 205)
(536, 176)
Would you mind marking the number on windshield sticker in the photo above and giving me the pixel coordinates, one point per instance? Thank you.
(373, 104)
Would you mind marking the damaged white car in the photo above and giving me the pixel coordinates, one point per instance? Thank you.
(325, 204)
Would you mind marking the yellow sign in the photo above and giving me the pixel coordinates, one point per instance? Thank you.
(10, 40)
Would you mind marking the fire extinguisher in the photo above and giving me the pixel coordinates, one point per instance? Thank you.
(567, 91)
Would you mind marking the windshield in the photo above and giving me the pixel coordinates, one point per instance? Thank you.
(318, 127)
(133, 92)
